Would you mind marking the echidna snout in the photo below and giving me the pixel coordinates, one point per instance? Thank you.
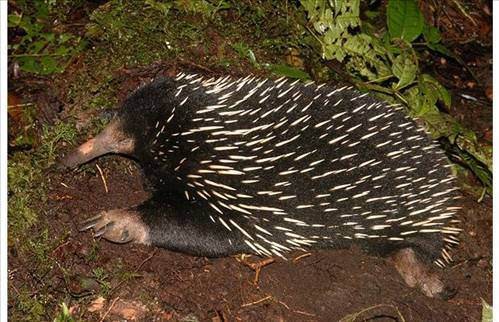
(266, 167)
(111, 140)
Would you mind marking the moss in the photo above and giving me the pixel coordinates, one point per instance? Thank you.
(31, 308)
(102, 277)
(31, 304)
(22, 177)
(26, 180)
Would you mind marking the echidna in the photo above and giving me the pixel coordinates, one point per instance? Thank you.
(265, 166)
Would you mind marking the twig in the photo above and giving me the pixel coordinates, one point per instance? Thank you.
(275, 300)
(301, 256)
(145, 260)
(284, 304)
(60, 246)
(463, 11)
(102, 177)
(304, 313)
(482, 195)
(185, 61)
(114, 289)
(19, 105)
(352, 317)
(257, 267)
(109, 309)
(268, 297)
(37, 55)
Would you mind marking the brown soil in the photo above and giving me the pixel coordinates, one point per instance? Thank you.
(316, 286)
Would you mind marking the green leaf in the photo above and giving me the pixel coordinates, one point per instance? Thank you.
(434, 90)
(48, 36)
(439, 48)
(480, 170)
(37, 46)
(482, 152)
(405, 69)
(404, 19)
(14, 20)
(49, 65)
(371, 14)
(486, 311)
(62, 51)
(31, 29)
(64, 37)
(431, 34)
(164, 8)
(244, 51)
(252, 57)
(291, 72)
(468, 160)
(29, 64)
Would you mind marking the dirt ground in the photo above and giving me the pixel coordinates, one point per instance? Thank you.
(102, 281)
(315, 286)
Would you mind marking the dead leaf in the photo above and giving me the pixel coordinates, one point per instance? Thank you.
(97, 304)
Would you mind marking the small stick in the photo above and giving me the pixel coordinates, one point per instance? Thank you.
(301, 256)
(151, 255)
(102, 177)
(256, 302)
(284, 304)
(463, 11)
(185, 61)
(109, 309)
(257, 267)
(304, 313)
(61, 245)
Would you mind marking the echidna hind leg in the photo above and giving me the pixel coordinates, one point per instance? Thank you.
(416, 274)
(119, 226)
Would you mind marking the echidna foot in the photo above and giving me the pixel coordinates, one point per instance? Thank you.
(416, 274)
(118, 226)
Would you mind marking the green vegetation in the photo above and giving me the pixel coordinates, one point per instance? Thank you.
(387, 61)
(39, 50)
(25, 175)
(27, 191)
(487, 313)
(64, 315)
(100, 275)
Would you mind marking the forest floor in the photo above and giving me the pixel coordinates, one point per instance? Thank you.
(51, 262)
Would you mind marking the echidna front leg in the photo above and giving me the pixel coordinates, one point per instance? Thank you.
(119, 226)
(185, 228)
(416, 274)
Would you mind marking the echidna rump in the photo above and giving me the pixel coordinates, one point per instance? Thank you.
(260, 166)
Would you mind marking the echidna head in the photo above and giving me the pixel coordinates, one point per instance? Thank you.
(145, 112)
(134, 125)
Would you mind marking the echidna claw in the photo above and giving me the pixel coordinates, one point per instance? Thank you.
(125, 237)
(103, 229)
(90, 222)
(119, 226)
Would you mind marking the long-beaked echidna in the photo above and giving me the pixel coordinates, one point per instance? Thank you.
(260, 166)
